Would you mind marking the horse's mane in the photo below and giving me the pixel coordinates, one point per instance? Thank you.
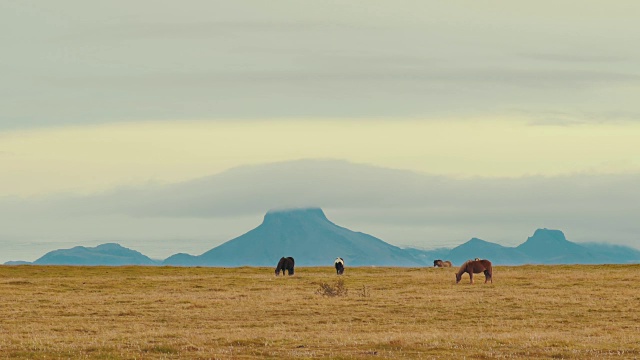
(463, 267)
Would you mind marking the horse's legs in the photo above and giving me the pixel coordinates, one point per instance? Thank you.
(487, 276)
(471, 276)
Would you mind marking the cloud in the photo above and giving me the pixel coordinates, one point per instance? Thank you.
(74, 64)
(575, 58)
(203, 30)
(543, 117)
(345, 90)
(94, 158)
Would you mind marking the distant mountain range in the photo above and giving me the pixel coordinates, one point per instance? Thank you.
(105, 254)
(313, 240)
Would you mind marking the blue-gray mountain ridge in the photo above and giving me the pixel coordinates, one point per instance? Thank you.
(313, 240)
(106, 254)
(306, 235)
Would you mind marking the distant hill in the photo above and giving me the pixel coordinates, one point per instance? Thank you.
(546, 246)
(306, 235)
(105, 254)
(18, 262)
(615, 254)
(477, 248)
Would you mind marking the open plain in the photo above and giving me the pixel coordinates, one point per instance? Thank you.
(570, 312)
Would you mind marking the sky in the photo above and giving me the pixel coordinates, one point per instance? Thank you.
(114, 97)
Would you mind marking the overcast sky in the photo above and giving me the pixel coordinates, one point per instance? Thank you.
(96, 96)
(78, 62)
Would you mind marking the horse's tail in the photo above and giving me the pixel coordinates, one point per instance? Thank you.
(489, 271)
(290, 265)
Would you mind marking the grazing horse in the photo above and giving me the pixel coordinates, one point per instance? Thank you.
(440, 263)
(476, 267)
(339, 265)
(285, 263)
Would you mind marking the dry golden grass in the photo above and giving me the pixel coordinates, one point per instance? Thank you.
(573, 312)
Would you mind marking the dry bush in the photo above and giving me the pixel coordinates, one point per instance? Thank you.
(338, 289)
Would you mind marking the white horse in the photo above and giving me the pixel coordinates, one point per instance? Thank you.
(339, 265)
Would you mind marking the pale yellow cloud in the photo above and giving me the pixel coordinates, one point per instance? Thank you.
(94, 158)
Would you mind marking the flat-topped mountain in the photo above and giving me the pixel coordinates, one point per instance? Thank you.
(551, 247)
(306, 235)
(106, 254)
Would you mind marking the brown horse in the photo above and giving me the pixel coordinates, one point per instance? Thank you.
(440, 263)
(476, 267)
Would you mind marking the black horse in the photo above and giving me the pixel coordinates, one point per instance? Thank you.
(285, 263)
(339, 264)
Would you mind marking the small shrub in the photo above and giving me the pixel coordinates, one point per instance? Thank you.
(338, 289)
(364, 292)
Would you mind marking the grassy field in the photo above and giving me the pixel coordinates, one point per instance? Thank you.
(573, 312)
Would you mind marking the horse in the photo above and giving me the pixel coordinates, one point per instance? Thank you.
(440, 263)
(339, 265)
(285, 263)
(476, 267)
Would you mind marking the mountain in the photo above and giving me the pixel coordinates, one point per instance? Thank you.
(477, 248)
(546, 246)
(616, 254)
(105, 254)
(306, 235)
(551, 247)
